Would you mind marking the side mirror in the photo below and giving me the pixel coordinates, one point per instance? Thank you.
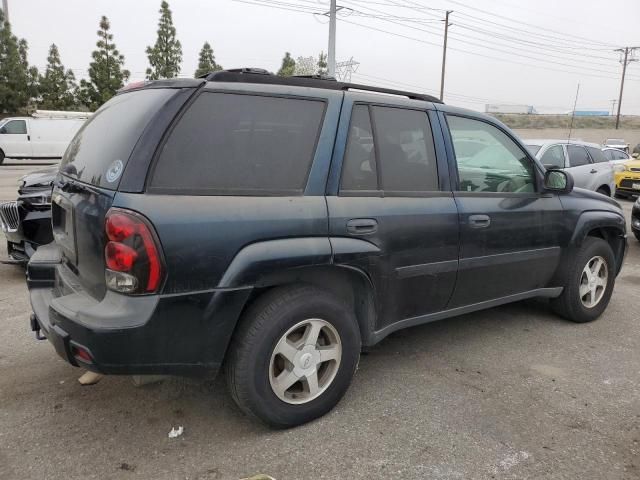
(558, 181)
(3, 130)
(636, 155)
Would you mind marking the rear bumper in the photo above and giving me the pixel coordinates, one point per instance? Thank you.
(173, 334)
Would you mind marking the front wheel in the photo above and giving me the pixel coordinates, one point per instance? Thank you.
(589, 282)
(293, 356)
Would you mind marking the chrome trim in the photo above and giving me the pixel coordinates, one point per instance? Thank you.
(9, 217)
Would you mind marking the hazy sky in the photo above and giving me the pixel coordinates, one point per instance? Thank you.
(501, 51)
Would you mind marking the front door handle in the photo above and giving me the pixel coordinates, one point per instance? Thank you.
(593, 170)
(362, 226)
(479, 221)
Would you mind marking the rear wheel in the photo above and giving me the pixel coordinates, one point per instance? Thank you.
(588, 282)
(293, 356)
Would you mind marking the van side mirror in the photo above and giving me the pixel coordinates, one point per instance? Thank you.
(559, 181)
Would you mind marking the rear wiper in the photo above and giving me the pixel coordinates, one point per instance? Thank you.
(69, 187)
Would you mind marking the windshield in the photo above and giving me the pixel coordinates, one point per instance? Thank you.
(100, 150)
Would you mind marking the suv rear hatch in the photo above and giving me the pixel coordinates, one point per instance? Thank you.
(90, 173)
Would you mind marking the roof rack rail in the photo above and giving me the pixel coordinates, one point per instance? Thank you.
(260, 75)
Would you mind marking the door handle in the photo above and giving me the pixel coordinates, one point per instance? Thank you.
(479, 221)
(593, 170)
(362, 226)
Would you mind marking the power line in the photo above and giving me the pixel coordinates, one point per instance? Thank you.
(517, 53)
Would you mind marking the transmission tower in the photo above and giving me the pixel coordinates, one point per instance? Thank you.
(345, 69)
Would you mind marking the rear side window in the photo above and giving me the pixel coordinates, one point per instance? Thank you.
(405, 149)
(359, 168)
(15, 127)
(392, 151)
(577, 155)
(553, 157)
(233, 144)
(101, 148)
(596, 155)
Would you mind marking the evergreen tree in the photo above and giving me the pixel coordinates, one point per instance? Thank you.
(106, 74)
(18, 81)
(207, 61)
(288, 67)
(57, 86)
(322, 64)
(166, 55)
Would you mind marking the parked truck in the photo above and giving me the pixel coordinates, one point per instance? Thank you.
(44, 135)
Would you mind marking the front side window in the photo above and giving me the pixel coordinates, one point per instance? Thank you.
(577, 155)
(609, 154)
(553, 157)
(233, 144)
(405, 150)
(15, 127)
(487, 159)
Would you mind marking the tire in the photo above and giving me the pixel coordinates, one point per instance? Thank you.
(603, 191)
(1, 157)
(637, 234)
(570, 304)
(254, 362)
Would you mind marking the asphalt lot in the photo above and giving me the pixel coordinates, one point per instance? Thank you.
(512, 392)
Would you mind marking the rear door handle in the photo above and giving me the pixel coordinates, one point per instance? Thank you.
(593, 170)
(362, 226)
(479, 221)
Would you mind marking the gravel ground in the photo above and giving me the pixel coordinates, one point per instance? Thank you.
(511, 392)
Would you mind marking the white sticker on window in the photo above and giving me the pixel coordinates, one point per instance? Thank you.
(114, 171)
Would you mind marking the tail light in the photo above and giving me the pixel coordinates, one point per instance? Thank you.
(132, 254)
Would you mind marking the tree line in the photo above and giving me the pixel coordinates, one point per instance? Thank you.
(23, 87)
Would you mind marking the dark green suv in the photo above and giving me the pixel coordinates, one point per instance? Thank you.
(278, 225)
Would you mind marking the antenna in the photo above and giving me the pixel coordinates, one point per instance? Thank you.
(573, 112)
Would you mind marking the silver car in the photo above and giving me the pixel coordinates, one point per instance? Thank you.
(587, 164)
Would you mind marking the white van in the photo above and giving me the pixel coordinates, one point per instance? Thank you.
(46, 134)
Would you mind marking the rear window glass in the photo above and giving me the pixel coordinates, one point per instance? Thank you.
(234, 144)
(101, 148)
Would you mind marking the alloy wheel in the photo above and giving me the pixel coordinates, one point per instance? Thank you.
(305, 361)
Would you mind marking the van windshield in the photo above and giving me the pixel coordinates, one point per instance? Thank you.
(100, 150)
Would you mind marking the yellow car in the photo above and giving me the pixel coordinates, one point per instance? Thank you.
(627, 178)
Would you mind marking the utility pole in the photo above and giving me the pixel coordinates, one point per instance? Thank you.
(444, 52)
(5, 9)
(331, 67)
(627, 55)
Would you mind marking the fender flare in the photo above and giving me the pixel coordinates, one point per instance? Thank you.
(591, 220)
(261, 258)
